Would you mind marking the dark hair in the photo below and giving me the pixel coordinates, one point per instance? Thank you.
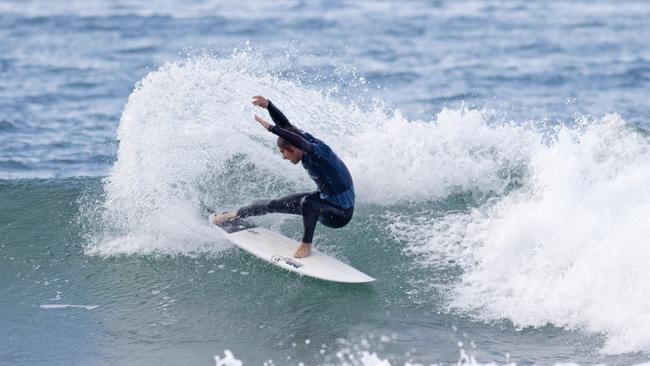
(284, 144)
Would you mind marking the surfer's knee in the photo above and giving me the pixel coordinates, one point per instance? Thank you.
(334, 222)
(306, 204)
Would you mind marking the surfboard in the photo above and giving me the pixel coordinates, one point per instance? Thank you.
(278, 250)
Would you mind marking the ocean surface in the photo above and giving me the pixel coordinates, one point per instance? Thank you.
(500, 153)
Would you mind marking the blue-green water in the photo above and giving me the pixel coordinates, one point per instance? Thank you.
(499, 152)
(184, 309)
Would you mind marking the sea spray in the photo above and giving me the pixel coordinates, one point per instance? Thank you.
(400, 160)
(187, 141)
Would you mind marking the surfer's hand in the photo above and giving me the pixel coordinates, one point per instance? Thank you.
(262, 122)
(260, 101)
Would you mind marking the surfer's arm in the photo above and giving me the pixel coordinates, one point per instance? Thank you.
(278, 117)
(293, 138)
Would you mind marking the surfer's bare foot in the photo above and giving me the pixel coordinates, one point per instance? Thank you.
(223, 217)
(303, 250)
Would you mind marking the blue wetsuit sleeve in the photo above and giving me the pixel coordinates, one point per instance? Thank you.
(293, 138)
(278, 117)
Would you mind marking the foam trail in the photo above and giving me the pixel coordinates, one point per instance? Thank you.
(68, 306)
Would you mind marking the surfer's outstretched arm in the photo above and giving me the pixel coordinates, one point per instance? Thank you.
(276, 115)
(291, 137)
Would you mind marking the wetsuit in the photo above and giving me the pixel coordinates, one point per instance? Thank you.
(332, 204)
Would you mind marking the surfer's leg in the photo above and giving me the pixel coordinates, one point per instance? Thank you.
(315, 209)
(309, 208)
(335, 217)
(288, 204)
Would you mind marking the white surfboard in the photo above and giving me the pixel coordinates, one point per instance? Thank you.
(278, 250)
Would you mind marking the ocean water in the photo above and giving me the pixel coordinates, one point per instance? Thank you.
(500, 153)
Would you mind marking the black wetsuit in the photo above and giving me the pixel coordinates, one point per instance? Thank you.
(332, 204)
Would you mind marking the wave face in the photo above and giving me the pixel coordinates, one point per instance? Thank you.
(542, 225)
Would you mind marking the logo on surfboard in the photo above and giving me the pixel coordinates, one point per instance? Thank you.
(286, 260)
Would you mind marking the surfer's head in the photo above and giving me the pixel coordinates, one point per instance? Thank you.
(292, 154)
(288, 151)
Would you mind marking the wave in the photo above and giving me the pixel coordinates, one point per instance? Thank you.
(554, 230)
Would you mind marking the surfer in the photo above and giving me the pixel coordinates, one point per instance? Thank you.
(332, 204)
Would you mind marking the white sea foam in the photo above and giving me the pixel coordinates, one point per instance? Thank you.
(396, 160)
(349, 357)
(570, 248)
(228, 360)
